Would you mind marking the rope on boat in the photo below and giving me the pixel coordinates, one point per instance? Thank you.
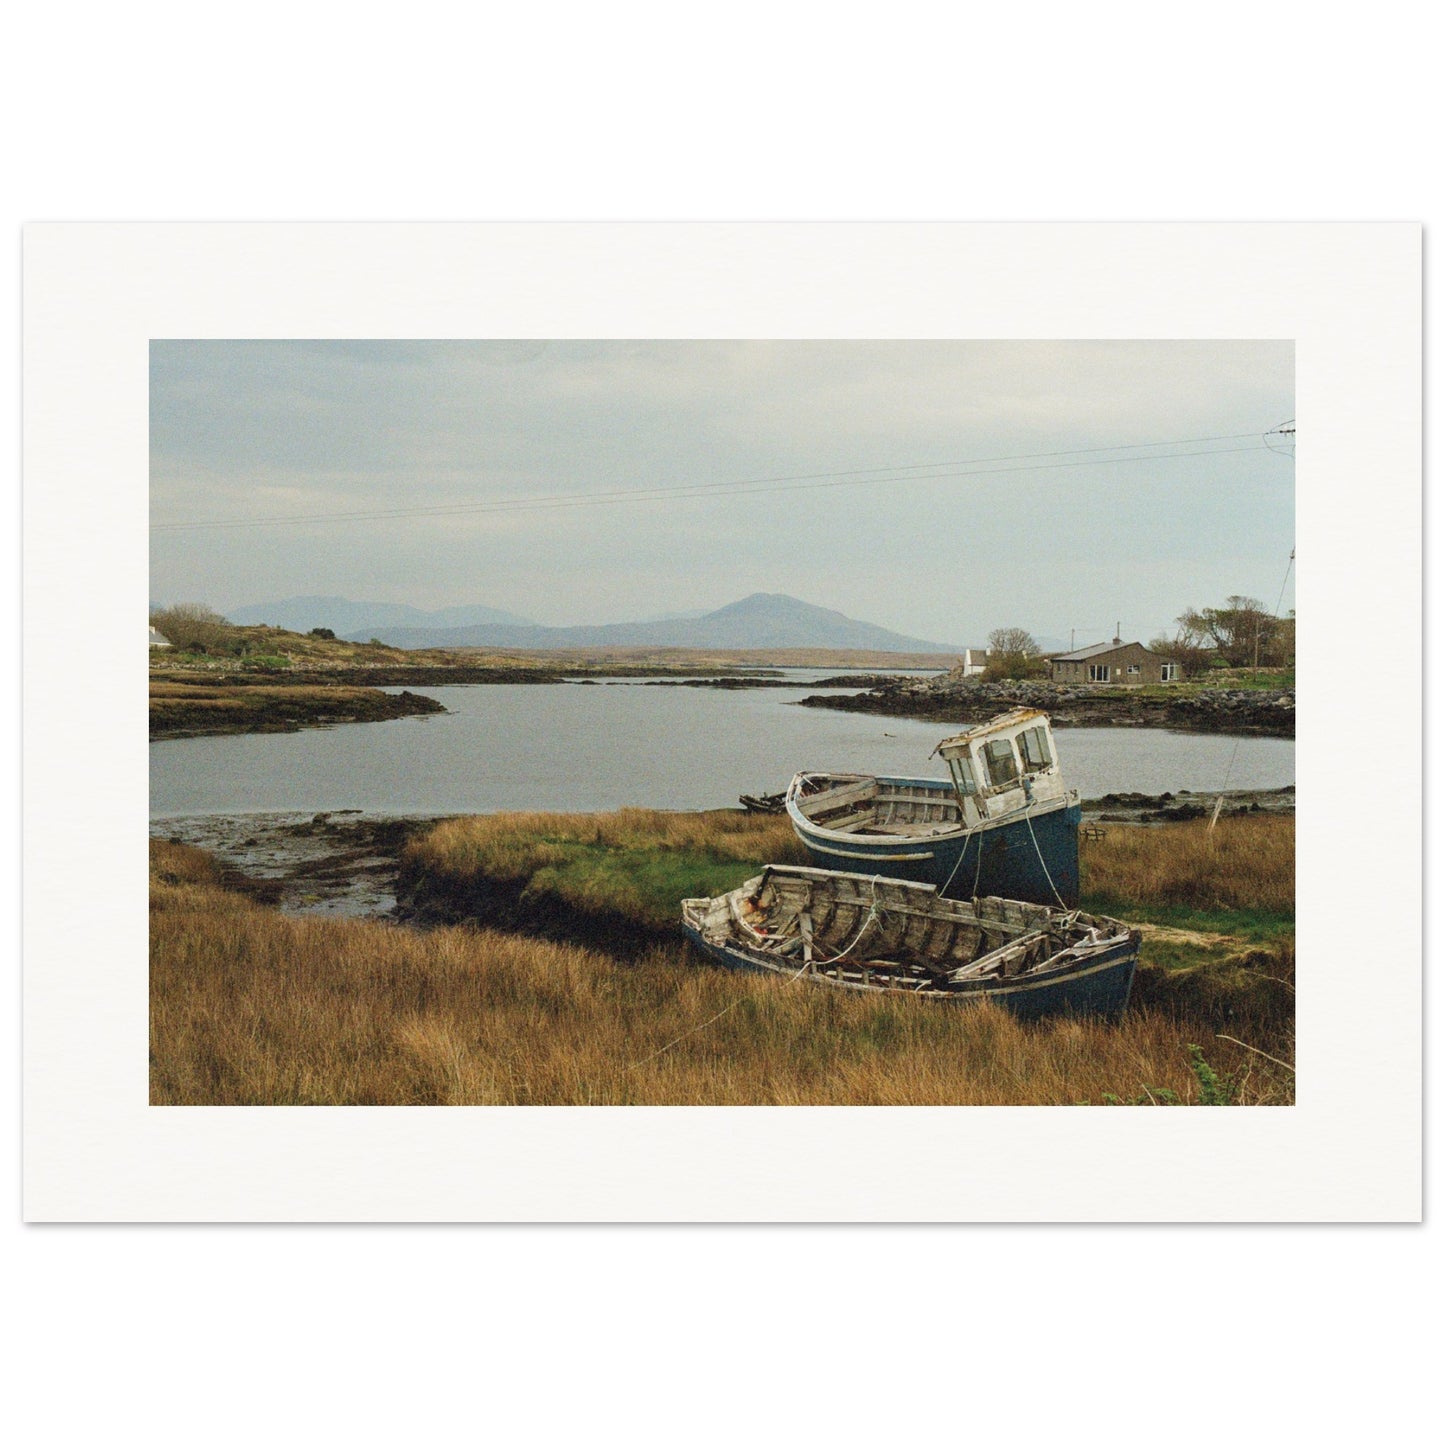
(968, 837)
(978, 860)
(862, 929)
(1049, 876)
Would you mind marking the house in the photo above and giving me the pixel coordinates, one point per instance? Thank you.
(1115, 662)
(157, 640)
(972, 661)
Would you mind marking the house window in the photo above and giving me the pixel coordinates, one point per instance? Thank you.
(1168, 671)
(1133, 669)
(1003, 767)
(1034, 747)
(1098, 672)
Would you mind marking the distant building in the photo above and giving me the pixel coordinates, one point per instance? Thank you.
(157, 640)
(972, 661)
(1115, 662)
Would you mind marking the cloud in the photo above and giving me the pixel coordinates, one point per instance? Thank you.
(247, 429)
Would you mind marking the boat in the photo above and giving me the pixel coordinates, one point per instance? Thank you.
(1002, 823)
(762, 802)
(885, 935)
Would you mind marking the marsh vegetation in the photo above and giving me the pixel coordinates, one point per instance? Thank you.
(250, 1007)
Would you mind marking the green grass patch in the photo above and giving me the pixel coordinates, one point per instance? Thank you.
(646, 885)
(1251, 925)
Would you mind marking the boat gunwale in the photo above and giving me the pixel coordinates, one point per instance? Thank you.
(1119, 951)
(870, 844)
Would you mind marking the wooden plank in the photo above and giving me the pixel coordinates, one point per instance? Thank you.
(833, 798)
(849, 825)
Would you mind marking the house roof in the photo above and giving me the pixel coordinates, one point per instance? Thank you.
(1097, 650)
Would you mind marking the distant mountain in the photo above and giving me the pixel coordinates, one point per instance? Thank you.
(766, 619)
(368, 619)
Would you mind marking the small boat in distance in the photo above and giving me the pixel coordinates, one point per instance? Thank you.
(881, 935)
(1002, 823)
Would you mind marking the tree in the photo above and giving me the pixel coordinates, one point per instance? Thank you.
(194, 627)
(322, 632)
(1190, 647)
(1013, 653)
(1240, 634)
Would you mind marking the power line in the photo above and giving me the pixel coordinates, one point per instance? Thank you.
(1284, 430)
(807, 481)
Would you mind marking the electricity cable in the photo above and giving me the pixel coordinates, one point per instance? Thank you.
(983, 467)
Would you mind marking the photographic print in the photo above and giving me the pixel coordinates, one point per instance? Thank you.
(722, 722)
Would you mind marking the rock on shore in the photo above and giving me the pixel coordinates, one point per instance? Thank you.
(968, 701)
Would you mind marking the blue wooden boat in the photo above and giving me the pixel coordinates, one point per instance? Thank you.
(1002, 823)
(885, 935)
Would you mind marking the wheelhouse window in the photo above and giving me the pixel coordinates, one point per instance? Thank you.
(1098, 672)
(963, 779)
(1034, 749)
(1003, 767)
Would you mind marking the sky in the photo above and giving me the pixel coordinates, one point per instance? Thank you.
(939, 488)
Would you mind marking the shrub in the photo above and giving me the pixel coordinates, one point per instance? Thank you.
(194, 627)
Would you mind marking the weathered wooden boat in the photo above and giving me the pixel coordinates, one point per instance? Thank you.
(885, 935)
(1002, 823)
(763, 802)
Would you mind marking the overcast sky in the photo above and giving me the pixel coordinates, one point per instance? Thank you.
(1056, 539)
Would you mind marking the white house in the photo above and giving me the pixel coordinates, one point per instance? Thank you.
(157, 640)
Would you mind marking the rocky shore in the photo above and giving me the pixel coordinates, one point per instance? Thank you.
(950, 699)
(187, 710)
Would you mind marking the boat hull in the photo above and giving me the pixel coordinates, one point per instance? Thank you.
(1097, 987)
(1033, 857)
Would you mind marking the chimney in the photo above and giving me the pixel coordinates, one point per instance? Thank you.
(1118, 641)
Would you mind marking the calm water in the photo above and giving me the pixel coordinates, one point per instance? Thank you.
(610, 746)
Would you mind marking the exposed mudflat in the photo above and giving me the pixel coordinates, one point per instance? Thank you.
(341, 864)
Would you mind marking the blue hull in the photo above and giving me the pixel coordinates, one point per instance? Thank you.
(1098, 987)
(1034, 859)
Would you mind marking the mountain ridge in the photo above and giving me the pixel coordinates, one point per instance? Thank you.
(764, 619)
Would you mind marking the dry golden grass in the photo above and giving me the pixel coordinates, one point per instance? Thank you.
(1244, 864)
(249, 1007)
(514, 845)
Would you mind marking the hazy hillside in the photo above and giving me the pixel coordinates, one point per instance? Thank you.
(766, 619)
(364, 620)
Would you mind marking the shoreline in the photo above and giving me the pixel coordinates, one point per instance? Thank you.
(1243, 712)
(347, 862)
(204, 709)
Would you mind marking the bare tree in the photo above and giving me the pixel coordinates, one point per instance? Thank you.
(1013, 653)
